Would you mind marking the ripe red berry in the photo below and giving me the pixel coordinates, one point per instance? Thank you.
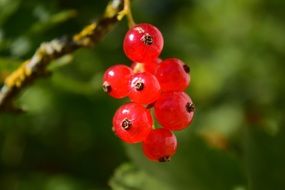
(173, 75)
(150, 67)
(132, 123)
(143, 43)
(174, 110)
(144, 88)
(116, 80)
(160, 145)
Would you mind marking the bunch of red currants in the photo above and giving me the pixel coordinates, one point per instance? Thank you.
(150, 83)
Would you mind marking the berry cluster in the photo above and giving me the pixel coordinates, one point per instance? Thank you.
(150, 83)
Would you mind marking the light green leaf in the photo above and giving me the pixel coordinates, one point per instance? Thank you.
(264, 158)
(7, 65)
(195, 166)
(53, 21)
(129, 177)
(8, 7)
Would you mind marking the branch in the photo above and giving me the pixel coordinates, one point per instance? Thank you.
(36, 67)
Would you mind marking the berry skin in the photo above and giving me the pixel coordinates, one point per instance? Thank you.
(143, 43)
(160, 145)
(116, 80)
(144, 88)
(132, 123)
(150, 67)
(173, 75)
(174, 110)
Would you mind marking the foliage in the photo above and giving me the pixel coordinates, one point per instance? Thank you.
(236, 51)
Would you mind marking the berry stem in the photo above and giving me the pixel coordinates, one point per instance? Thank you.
(127, 8)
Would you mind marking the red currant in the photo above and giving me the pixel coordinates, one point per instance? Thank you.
(116, 80)
(144, 88)
(143, 43)
(174, 110)
(160, 145)
(173, 75)
(132, 123)
(150, 67)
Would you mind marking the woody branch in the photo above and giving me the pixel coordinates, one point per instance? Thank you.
(36, 67)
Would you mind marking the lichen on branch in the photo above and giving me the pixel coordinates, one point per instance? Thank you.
(36, 67)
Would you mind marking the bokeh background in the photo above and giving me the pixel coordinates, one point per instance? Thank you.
(236, 51)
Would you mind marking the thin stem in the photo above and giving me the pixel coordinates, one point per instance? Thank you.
(127, 7)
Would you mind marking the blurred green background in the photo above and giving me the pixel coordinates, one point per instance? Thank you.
(236, 51)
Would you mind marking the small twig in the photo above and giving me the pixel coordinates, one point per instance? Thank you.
(128, 13)
(36, 67)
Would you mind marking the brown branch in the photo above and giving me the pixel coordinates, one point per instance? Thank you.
(36, 67)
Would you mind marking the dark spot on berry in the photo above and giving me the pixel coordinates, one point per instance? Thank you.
(139, 86)
(186, 68)
(106, 87)
(150, 105)
(190, 107)
(147, 39)
(164, 159)
(126, 124)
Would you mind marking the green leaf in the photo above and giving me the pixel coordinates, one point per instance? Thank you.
(129, 177)
(265, 158)
(195, 166)
(7, 65)
(53, 21)
(72, 85)
(8, 7)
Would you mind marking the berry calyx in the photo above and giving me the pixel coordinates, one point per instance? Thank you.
(116, 80)
(173, 75)
(186, 68)
(132, 123)
(144, 88)
(126, 124)
(190, 107)
(160, 145)
(147, 39)
(139, 85)
(174, 110)
(143, 43)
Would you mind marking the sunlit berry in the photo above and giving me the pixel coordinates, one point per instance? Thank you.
(143, 43)
(160, 145)
(144, 88)
(116, 80)
(132, 123)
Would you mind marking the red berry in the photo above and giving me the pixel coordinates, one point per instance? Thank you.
(174, 110)
(116, 80)
(173, 75)
(132, 123)
(143, 43)
(144, 88)
(160, 145)
(150, 67)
